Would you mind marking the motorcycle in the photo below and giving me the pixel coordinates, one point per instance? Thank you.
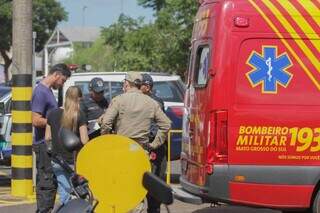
(83, 200)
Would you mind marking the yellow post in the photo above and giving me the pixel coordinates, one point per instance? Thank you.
(169, 154)
(21, 181)
(169, 159)
(21, 184)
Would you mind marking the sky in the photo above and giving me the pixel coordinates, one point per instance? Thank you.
(102, 12)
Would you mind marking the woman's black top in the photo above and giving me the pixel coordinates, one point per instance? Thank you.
(54, 120)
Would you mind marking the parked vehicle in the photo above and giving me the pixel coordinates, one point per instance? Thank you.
(85, 197)
(5, 125)
(6, 122)
(251, 124)
(168, 87)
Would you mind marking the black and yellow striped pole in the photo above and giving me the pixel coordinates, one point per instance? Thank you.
(21, 160)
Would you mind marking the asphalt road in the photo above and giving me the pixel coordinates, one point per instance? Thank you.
(176, 207)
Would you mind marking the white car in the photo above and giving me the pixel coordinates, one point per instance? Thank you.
(169, 88)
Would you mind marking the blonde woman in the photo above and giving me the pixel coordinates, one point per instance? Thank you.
(72, 118)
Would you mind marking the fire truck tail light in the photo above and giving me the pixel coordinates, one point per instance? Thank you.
(222, 136)
(217, 147)
(209, 169)
(211, 139)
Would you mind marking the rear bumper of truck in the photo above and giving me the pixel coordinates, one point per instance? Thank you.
(190, 193)
(216, 188)
(180, 194)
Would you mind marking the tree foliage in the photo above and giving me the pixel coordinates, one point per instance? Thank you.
(5, 32)
(156, 5)
(159, 46)
(6, 24)
(46, 15)
(132, 43)
(175, 23)
(98, 56)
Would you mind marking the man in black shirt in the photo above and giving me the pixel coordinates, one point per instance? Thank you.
(159, 163)
(94, 104)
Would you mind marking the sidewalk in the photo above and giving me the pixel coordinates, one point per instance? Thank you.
(5, 193)
(18, 208)
(7, 200)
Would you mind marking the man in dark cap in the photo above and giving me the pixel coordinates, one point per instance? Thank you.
(158, 156)
(146, 88)
(94, 104)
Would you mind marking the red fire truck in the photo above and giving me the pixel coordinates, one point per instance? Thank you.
(251, 127)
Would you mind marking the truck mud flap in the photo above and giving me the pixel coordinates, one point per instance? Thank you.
(180, 194)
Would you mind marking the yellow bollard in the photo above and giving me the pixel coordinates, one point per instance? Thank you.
(168, 178)
(21, 183)
(169, 159)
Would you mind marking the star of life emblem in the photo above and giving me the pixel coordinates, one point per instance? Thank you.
(269, 69)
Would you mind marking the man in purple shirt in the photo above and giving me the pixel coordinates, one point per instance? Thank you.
(42, 102)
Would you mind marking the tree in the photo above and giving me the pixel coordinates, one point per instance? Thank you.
(159, 46)
(46, 15)
(175, 23)
(156, 5)
(99, 56)
(132, 42)
(5, 32)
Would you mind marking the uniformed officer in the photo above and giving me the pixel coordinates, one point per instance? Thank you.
(159, 163)
(146, 88)
(130, 114)
(94, 104)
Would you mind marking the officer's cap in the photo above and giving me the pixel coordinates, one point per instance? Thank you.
(96, 84)
(147, 79)
(134, 77)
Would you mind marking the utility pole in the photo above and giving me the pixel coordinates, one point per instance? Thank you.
(21, 182)
(83, 15)
(121, 7)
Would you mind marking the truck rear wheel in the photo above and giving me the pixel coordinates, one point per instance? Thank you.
(315, 208)
(316, 203)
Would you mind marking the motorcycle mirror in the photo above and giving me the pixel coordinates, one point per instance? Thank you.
(70, 140)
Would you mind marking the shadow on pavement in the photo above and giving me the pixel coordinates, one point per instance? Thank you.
(5, 175)
(5, 181)
(232, 209)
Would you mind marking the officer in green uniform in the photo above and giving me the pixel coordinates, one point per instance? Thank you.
(131, 113)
